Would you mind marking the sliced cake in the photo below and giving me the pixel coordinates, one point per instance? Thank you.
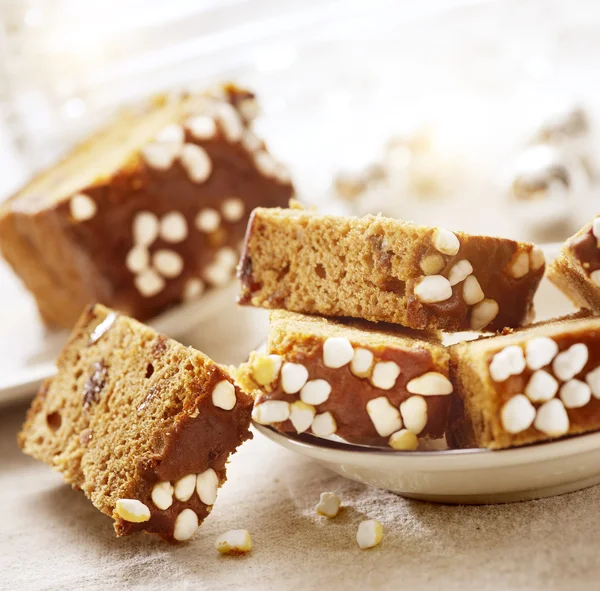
(141, 424)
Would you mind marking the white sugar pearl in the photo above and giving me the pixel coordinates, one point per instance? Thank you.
(431, 383)
(208, 220)
(460, 272)
(207, 485)
(162, 495)
(82, 207)
(196, 162)
(149, 283)
(385, 374)
(541, 386)
(160, 155)
(223, 395)
(362, 361)
(324, 425)
(132, 510)
(385, 417)
(517, 414)
(483, 313)
(369, 534)
(337, 352)
(168, 263)
(230, 122)
(251, 142)
(575, 394)
(595, 277)
(472, 292)
(315, 392)
(193, 289)
(508, 362)
(432, 289)
(184, 487)
(293, 377)
(233, 209)
(173, 227)
(540, 352)
(329, 505)
(301, 416)
(519, 267)
(137, 259)
(186, 525)
(536, 259)
(145, 228)
(171, 133)
(202, 127)
(414, 414)
(446, 242)
(249, 109)
(234, 541)
(593, 380)
(569, 363)
(552, 418)
(271, 411)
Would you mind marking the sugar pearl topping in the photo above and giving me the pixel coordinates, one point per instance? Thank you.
(483, 313)
(207, 485)
(132, 510)
(208, 220)
(324, 425)
(540, 352)
(517, 414)
(552, 418)
(186, 525)
(315, 392)
(146, 228)
(173, 227)
(446, 242)
(196, 162)
(385, 374)
(430, 384)
(301, 416)
(460, 272)
(385, 417)
(414, 414)
(82, 207)
(337, 352)
(293, 377)
(508, 362)
(271, 411)
(432, 289)
(223, 395)
(162, 495)
(569, 363)
(519, 266)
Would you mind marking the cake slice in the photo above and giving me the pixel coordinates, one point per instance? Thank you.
(526, 386)
(576, 270)
(387, 270)
(373, 385)
(147, 213)
(141, 424)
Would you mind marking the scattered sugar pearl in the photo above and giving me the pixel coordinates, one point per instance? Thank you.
(517, 414)
(552, 418)
(207, 485)
(162, 495)
(460, 272)
(432, 289)
(593, 380)
(223, 395)
(301, 416)
(575, 394)
(519, 267)
(315, 392)
(196, 162)
(446, 242)
(171, 133)
(541, 386)
(431, 383)
(251, 142)
(472, 292)
(569, 363)
(173, 227)
(508, 362)
(540, 352)
(137, 259)
(184, 487)
(208, 220)
(595, 277)
(193, 289)
(82, 207)
(414, 413)
(145, 228)
(233, 209)
(385, 417)
(403, 440)
(230, 122)
(369, 534)
(160, 155)
(362, 361)
(536, 259)
(337, 352)
(149, 283)
(249, 109)
(168, 263)
(271, 411)
(221, 270)
(293, 377)
(385, 374)
(132, 510)
(329, 505)
(186, 525)
(324, 425)
(202, 127)
(235, 542)
(483, 313)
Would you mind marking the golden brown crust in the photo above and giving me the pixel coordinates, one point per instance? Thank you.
(130, 408)
(386, 270)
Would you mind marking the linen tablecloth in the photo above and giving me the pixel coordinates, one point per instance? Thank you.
(53, 538)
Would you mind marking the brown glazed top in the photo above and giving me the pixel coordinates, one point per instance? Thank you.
(350, 393)
(106, 239)
(202, 437)
(585, 250)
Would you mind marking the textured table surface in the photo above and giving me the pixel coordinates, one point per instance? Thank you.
(53, 538)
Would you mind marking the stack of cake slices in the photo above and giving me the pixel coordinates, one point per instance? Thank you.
(354, 349)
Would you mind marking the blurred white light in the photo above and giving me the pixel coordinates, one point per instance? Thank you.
(274, 59)
(74, 108)
(33, 17)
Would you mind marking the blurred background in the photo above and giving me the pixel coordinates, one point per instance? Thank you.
(477, 115)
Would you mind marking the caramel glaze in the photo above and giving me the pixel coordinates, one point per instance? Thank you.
(490, 258)
(202, 437)
(107, 237)
(581, 419)
(585, 250)
(350, 394)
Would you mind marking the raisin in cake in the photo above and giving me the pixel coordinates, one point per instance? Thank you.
(147, 213)
(387, 270)
(576, 271)
(526, 386)
(143, 425)
(368, 385)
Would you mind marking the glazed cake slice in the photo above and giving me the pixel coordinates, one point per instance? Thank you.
(369, 385)
(147, 213)
(141, 424)
(387, 270)
(576, 271)
(531, 385)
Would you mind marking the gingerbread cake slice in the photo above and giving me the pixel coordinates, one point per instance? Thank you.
(141, 424)
(576, 271)
(147, 213)
(373, 385)
(527, 386)
(387, 270)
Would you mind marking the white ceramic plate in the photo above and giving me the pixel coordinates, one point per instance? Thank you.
(466, 476)
(28, 350)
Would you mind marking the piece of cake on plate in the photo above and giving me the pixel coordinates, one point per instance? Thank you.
(527, 386)
(368, 384)
(576, 270)
(147, 213)
(387, 270)
(141, 424)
